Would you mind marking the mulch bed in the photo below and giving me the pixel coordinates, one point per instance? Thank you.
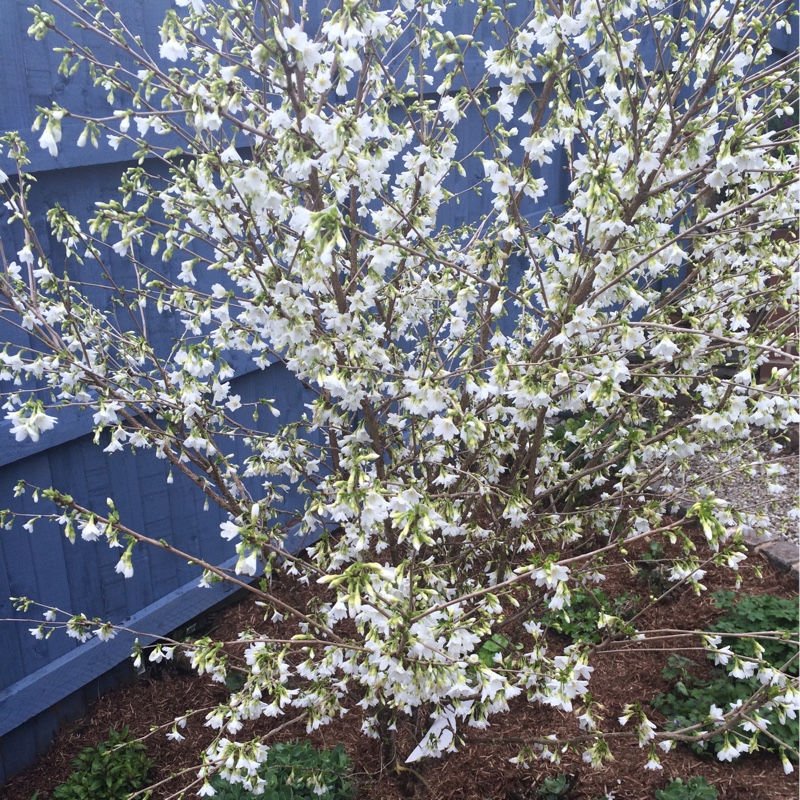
(481, 769)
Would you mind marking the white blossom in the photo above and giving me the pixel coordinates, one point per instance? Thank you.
(30, 425)
(173, 50)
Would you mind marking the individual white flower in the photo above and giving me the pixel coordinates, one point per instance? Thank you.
(198, 6)
(648, 162)
(586, 723)
(448, 107)
(90, 532)
(502, 182)
(723, 655)
(645, 732)
(247, 564)
(38, 422)
(562, 379)
(25, 255)
(444, 428)
(665, 349)
(558, 600)
(743, 669)
(716, 179)
(716, 713)
(730, 751)
(229, 530)
(50, 138)
(107, 413)
(105, 633)
(550, 575)
(734, 560)
(230, 155)
(124, 565)
(754, 724)
(173, 50)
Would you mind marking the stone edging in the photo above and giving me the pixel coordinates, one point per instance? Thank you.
(781, 553)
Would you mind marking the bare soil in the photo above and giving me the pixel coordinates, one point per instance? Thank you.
(481, 769)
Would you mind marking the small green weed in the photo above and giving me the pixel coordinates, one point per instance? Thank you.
(235, 681)
(696, 788)
(110, 771)
(556, 787)
(652, 569)
(296, 771)
(497, 644)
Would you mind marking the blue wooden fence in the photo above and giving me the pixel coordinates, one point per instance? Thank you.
(45, 683)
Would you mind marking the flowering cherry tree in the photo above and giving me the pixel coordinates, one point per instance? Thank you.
(500, 253)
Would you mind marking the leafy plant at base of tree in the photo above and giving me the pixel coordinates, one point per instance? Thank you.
(689, 701)
(111, 770)
(361, 202)
(691, 698)
(696, 788)
(581, 621)
(653, 568)
(754, 613)
(496, 644)
(294, 771)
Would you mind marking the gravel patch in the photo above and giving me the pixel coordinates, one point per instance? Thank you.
(770, 495)
(769, 492)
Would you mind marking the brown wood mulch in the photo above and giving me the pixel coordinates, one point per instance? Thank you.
(481, 769)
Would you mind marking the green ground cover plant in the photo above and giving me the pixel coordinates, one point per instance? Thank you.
(696, 788)
(294, 771)
(758, 613)
(556, 787)
(760, 627)
(584, 620)
(109, 771)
